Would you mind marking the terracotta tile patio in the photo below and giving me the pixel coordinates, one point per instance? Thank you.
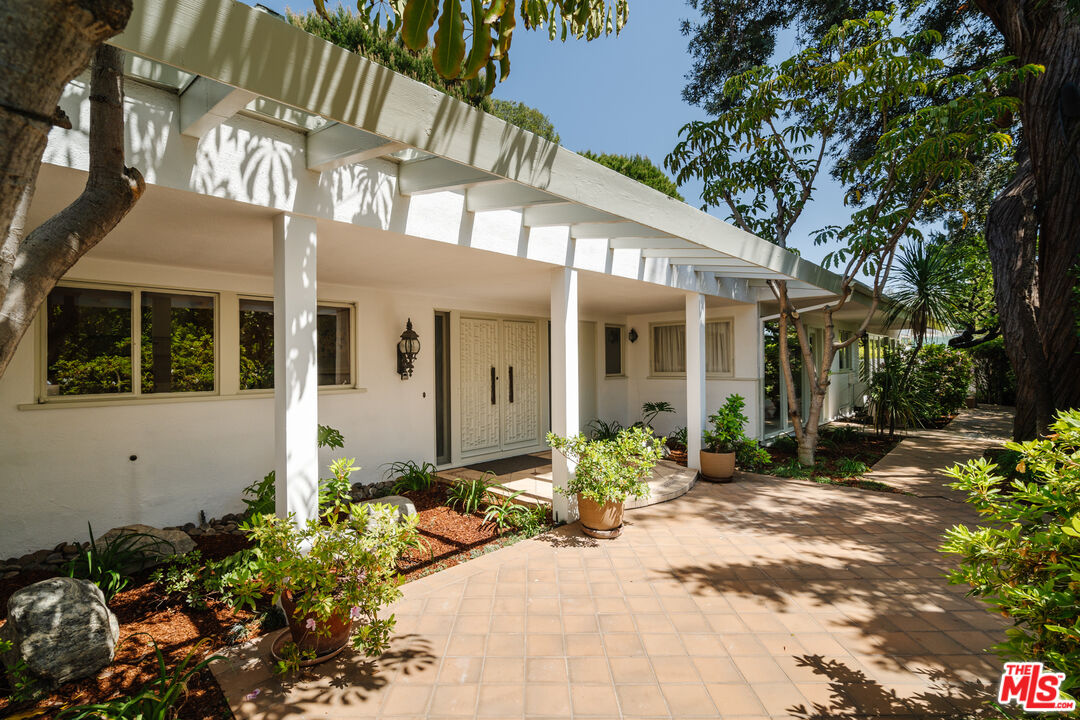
(760, 599)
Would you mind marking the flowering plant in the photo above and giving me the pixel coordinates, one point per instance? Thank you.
(342, 565)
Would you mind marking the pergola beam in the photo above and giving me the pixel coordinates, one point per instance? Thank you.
(651, 244)
(206, 103)
(606, 230)
(506, 196)
(337, 145)
(436, 174)
(564, 214)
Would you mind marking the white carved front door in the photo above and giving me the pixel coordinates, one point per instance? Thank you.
(521, 408)
(479, 400)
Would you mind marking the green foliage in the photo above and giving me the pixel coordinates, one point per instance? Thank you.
(507, 513)
(995, 381)
(749, 455)
(841, 433)
(160, 699)
(650, 410)
(469, 495)
(411, 476)
(335, 492)
(108, 564)
(947, 373)
(469, 41)
(680, 437)
(637, 167)
(525, 117)
(337, 564)
(261, 495)
(604, 430)
(196, 581)
(610, 470)
(849, 467)
(894, 400)
(726, 434)
(928, 290)
(792, 469)
(25, 686)
(1024, 561)
(785, 443)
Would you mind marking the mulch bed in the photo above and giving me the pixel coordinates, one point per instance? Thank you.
(449, 538)
(866, 448)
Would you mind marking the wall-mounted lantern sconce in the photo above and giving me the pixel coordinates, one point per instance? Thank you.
(632, 335)
(408, 348)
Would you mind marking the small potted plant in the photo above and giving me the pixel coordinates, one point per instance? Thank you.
(608, 472)
(676, 447)
(331, 575)
(723, 439)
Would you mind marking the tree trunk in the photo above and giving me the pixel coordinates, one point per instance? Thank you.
(32, 265)
(1011, 230)
(1044, 32)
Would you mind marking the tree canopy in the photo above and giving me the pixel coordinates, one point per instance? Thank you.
(525, 117)
(639, 168)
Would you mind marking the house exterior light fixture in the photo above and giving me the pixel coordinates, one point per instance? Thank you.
(632, 336)
(408, 348)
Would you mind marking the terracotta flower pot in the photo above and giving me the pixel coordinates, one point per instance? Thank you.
(718, 467)
(602, 521)
(317, 640)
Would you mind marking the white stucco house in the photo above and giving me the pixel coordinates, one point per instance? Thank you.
(302, 205)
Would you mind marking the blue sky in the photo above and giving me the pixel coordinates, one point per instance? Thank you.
(624, 95)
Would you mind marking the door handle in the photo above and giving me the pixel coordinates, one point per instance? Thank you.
(493, 402)
(511, 383)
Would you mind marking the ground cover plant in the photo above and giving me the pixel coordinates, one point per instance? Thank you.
(844, 455)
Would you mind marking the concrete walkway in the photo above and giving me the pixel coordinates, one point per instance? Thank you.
(759, 599)
(916, 464)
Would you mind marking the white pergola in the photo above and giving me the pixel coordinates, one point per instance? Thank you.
(223, 58)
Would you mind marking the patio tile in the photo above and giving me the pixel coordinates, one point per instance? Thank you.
(594, 700)
(632, 670)
(454, 700)
(733, 700)
(688, 700)
(641, 701)
(407, 700)
(549, 700)
(503, 670)
(500, 701)
(545, 670)
(674, 669)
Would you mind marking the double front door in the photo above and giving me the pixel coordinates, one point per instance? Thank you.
(500, 384)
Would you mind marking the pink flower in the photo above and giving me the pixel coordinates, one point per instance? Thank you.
(310, 624)
(354, 613)
(253, 694)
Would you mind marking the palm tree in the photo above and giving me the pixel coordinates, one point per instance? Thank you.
(926, 293)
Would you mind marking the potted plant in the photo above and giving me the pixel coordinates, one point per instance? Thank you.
(676, 447)
(331, 575)
(723, 439)
(607, 472)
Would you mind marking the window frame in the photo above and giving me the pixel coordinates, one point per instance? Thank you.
(136, 394)
(354, 382)
(728, 319)
(622, 350)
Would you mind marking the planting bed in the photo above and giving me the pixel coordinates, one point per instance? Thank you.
(449, 538)
(831, 455)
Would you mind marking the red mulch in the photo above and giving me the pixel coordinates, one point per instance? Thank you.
(867, 448)
(448, 536)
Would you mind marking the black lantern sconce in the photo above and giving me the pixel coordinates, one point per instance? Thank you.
(632, 335)
(408, 348)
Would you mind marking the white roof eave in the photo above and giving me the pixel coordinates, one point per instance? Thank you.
(237, 45)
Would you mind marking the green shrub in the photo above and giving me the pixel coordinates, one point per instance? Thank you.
(840, 434)
(995, 381)
(650, 410)
(469, 495)
(792, 469)
(109, 564)
(261, 495)
(1025, 562)
(785, 443)
(609, 470)
(507, 513)
(525, 117)
(604, 430)
(412, 476)
(947, 375)
(751, 456)
(726, 434)
(196, 581)
(637, 167)
(893, 400)
(851, 468)
(336, 491)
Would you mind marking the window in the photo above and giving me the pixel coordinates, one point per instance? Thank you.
(613, 350)
(333, 325)
(844, 355)
(91, 347)
(88, 343)
(669, 349)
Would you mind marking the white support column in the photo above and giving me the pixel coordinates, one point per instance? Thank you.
(564, 377)
(695, 377)
(296, 379)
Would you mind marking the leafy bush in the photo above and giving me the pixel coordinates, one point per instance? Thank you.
(335, 493)
(894, 401)
(506, 514)
(792, 469)
(333, 565)
(411, 476)
(604, 430)
(749, 455)
(679, 438)
(261, 495)
(609, 470)
(947, 375)
(841, 433)
(196, 580)
(469, 495)
(1025, 562)
(995, 381)
(726, 434)
(785, 443)
(851, 468)
(109, 564)
(158, 700)
(650, 410)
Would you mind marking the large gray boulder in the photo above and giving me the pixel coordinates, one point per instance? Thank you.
(156, 544)
(61, 628)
